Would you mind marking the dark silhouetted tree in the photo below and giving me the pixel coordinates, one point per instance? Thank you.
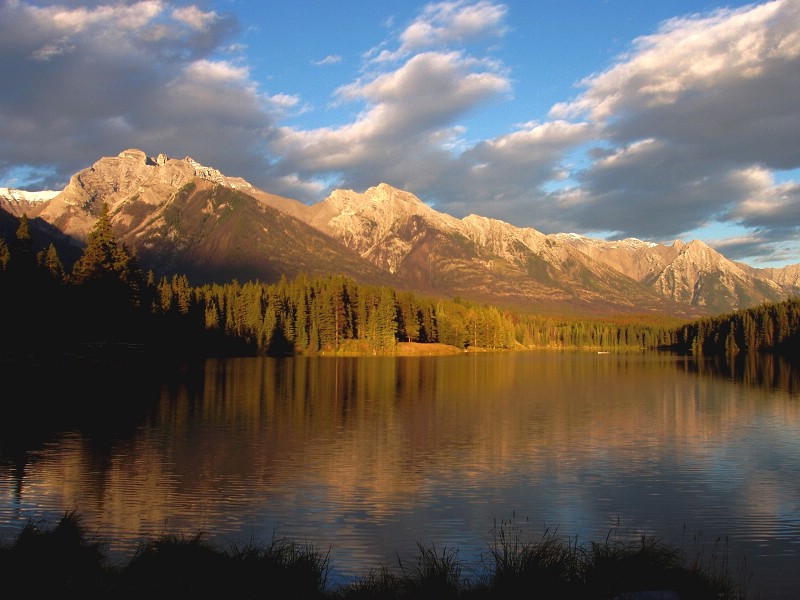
(50, 261)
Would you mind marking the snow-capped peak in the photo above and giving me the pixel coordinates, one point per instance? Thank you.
(26, 196)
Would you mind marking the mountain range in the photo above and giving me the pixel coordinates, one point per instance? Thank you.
(183, 217)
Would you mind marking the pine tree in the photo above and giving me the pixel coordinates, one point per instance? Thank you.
(182, 292)
(166, 296)
(22, 260)
(49, 260)
(5, 254)
(211, 316)
(323, 318)
(104, 259)
(24, 241)
(387, 319)
(409, 314)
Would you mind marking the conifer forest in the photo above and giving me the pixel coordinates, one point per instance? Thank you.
(105, 301)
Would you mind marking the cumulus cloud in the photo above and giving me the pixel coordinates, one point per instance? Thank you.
(680, 133)
(694, 116)
(692, 126)
(458, 21)
(444, 23)
(498, 177)
(409, 114)
(773, 207)
(195, 18)
(92, 80)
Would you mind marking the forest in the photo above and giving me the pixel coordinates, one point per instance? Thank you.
(770, 327)
(106, 304)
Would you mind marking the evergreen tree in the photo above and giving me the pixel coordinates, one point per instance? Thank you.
(24, 241)
(211, 315)
(323, 317)
(52, 263)
(166, 296)
(387, 319)
(5, 254)
(183, 293)
(103, 258)
(21, 259)
(409, 317)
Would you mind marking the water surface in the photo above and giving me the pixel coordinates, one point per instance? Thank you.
(368, 456)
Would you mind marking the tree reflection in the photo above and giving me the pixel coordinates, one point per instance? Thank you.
(774, 373)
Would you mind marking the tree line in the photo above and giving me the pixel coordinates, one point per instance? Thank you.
(770, 327)
(106, 302)
(334, 313)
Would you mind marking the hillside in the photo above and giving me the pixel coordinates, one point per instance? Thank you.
(181, 216)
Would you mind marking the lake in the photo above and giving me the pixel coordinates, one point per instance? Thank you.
(368, 456)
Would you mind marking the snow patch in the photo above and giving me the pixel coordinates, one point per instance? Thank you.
(26, 196)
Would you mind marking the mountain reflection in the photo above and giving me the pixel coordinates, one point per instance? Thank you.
(366, 454)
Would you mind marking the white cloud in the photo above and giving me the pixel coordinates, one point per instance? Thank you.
(194, 17)
(210, 72)
(456, 21)
(76, 20)
(501, 177)
(92, 80)
(688, 128)
(770, 206)
(331, 59)
(443, 24)
(691, 56)
(695, 118)
(406, 108)
(284, 100)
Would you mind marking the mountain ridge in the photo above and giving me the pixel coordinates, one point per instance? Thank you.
(183, 216)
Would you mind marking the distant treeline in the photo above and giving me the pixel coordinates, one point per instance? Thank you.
(105, 304)
(770, 327)
(334, 313)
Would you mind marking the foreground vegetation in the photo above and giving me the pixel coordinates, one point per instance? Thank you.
(104, 304)
(66, 560)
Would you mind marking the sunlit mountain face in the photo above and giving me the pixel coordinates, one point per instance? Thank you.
(183, 217)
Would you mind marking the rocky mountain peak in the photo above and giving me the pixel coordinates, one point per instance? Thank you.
(373, 213)
(501, 238)
(391, 232)
(135, 155)
(382, 198)
(704, 258)
(165, 165)
(131, 176)
(18, 202)
(384, 193)
(215, 175)
(15, 195)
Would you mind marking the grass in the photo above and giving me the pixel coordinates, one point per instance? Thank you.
(67, 560)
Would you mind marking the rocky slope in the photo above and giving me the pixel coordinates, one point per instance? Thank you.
(475, 257)
(181, 216)
(691, 273)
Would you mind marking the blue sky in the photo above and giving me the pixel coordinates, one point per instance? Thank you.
(615, 118)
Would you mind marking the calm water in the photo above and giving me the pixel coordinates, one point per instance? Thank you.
(368, 456)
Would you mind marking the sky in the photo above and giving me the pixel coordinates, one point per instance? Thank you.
(611, 118)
